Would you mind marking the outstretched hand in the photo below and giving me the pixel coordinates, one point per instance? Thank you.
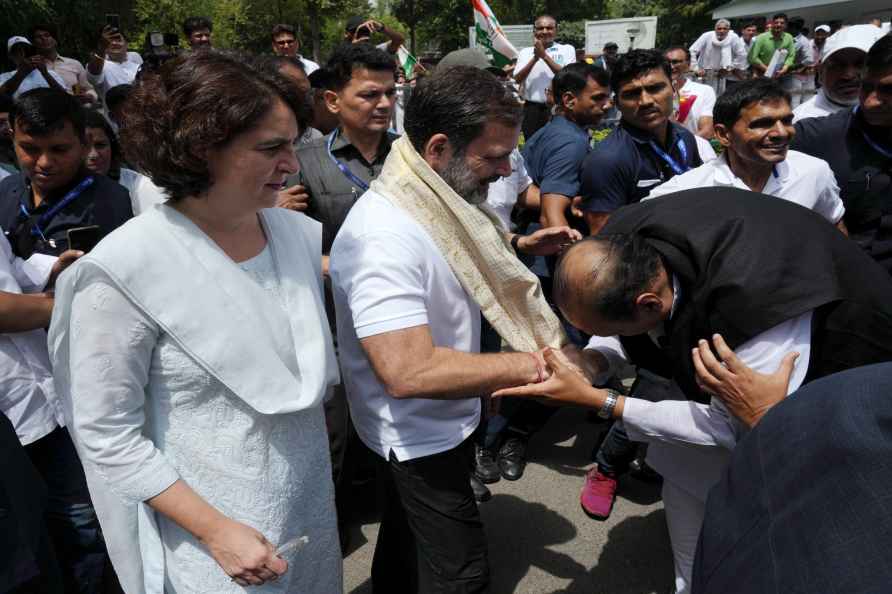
(565, 384)
(748, 394)
(548, 241)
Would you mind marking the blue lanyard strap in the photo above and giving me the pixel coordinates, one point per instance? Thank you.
(354, 179)
(886, 152)
(48, 216)
(682, 148)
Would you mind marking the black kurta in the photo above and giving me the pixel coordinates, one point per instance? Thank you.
(747, 262)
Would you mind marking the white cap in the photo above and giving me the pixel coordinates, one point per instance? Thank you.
(824, 28)
(861, 37)
(19, 39)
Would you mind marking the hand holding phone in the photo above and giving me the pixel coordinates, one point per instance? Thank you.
(83, 239)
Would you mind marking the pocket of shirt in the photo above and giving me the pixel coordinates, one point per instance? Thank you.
(648, 183)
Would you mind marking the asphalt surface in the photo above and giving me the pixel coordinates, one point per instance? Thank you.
(540, 540)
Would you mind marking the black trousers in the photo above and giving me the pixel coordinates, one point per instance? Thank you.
(431, 538)
(535, 115)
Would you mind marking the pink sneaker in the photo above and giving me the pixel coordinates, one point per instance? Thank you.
(598, 495)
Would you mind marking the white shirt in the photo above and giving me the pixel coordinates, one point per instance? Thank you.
(703, 98)
(34, 80)
(144, 194)
(116, 73)
(26, 379)
(309, 65)
(817, 107)
(502, 195)
(388, 274)
(705, 150)
(800, 178)
(690, 440)
(539, 78)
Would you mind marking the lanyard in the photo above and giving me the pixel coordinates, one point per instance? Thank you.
(682, 148)
(873, 143)
(344, 169)
(48, 216)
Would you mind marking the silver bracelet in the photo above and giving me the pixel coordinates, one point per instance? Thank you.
(606, 411)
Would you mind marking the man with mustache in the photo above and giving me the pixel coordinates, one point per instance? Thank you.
(842, 64)
(754, 122)
(535, 68)
(413, 267)
(857, 144)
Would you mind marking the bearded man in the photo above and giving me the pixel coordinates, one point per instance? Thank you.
(413, 267)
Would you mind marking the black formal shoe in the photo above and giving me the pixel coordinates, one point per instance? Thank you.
(485, 467)
(481, 492)
(512, 458)
(642, 471)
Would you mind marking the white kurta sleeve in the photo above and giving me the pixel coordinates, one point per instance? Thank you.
(111, 350)
(612, 350)
(680, 421)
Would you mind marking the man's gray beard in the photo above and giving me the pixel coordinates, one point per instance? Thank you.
(463, 182)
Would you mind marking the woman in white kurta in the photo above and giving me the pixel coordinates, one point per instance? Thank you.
(192, 353)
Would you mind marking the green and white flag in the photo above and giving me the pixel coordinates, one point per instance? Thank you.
(490, 35)
(407, 60)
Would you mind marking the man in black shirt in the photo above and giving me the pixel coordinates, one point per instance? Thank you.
(857, 144)
(54, 191)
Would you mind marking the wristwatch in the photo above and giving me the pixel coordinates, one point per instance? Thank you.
(515, 242)
(606, 411)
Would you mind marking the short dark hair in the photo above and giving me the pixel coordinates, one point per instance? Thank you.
(545, 16)
(880, 55)
(733, 101)
(270, 66)
(117, 95)
(675, 48)
(573, 78)
(458, 101)
(349, 56)
(48, 27)
(94, 119)
(6, 103)
(282, 28)
(196, 102)
(629, 267)
(320, 79)
(781, 15)
(197, 23)
(750, 24)
(637, 63)
(41, 112)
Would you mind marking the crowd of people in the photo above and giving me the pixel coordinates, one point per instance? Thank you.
(233, 285)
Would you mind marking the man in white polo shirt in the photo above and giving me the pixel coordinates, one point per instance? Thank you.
(111, 64)
(754, 122)
(535, 68)
(409, 330)
(695, 100)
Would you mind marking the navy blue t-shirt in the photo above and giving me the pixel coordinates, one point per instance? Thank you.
(553, 155)
(623, 168)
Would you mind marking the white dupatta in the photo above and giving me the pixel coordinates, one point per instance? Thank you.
(276, 359)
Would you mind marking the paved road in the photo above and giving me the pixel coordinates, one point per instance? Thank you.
(540, 540)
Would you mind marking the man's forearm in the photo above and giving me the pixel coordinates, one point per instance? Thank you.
(20, 313)
(12, 85)
(551, 63)
(96, 64)
(554, 210)
(524, 72)
(449, 374)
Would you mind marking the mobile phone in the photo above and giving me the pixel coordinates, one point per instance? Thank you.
(156, 39)
(83, 238)
(113, 21)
